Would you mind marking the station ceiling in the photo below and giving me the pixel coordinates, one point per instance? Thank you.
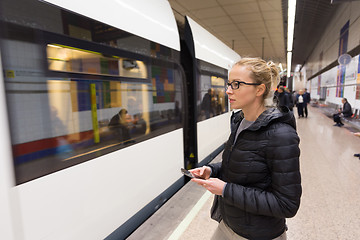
(258, 28)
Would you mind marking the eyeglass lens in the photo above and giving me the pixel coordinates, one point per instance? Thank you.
(234, 85)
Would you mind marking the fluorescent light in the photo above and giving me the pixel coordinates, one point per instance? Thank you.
(53, 46)
(291, 23)
(290, 33)
(289, 56)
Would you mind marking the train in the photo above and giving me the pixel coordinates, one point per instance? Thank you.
(102, 104)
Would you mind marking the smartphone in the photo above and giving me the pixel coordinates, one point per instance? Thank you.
(189, 174)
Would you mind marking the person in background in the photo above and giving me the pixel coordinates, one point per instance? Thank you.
(218, 103)
(306, 101)
(283, 98)
(138, 126)
(177, 112)
(119, 125)
(346, 112)
(291, 100)
(300, 103)
(293, 96)
(258, 184)
(206, 105)
(276, 96)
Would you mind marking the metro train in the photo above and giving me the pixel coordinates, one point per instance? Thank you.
(102, 104)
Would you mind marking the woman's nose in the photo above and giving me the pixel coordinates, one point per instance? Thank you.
(229, 90)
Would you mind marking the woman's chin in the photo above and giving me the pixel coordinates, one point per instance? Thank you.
(233, 105)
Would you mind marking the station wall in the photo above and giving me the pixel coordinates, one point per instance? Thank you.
(340, 36)
(327, 49)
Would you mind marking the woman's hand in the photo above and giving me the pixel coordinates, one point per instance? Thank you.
(214, 185)
(202, 172)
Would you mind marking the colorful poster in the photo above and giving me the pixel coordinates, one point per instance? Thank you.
(358, 82)
(351, 71)
(81, 94)
(343, 42)
(328, 79)
(163, 84)
(340, 81)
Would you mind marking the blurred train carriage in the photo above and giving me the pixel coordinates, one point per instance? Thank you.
(102, 110)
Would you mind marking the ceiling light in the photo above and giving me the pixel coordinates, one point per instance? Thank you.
(291, 23)
(281, 68)
(289, 56)
(290, 33)
(297, 68)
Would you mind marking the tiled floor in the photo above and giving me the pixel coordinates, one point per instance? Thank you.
(329, 205)
(330, 180)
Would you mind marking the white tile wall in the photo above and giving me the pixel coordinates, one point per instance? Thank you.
(28, 116)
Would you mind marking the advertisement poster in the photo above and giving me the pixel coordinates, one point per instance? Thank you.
(352, 71)
(343, 42)
(358, 82)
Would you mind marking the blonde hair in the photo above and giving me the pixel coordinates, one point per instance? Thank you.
(261, 72)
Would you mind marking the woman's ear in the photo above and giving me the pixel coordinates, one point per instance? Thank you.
(260, 90)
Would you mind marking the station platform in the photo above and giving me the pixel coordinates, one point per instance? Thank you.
(329, 204)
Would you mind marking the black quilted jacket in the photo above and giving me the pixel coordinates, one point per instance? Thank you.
(263, 179)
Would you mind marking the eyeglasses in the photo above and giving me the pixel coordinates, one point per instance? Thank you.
(236, 84)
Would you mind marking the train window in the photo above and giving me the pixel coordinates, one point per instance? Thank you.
(70, 59)
(78, 89)
(212, 99)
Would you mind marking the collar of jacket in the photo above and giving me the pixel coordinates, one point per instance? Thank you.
(280, 114)
(237, 116)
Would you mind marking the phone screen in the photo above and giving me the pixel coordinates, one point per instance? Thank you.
(189, 174)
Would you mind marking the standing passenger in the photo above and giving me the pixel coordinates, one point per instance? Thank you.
(291, 99)
(300, 103)
(283, 98)
(306, 101)
(257, 184)
(206, 104)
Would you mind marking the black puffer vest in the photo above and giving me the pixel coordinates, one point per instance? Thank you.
(261, 169)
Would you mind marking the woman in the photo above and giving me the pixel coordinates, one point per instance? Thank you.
(257, 185)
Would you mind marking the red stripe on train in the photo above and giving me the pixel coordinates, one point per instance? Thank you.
(42, 144)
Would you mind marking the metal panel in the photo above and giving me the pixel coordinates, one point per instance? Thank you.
(90, 200)
(211, 49)
(153, 20)
(8, 218)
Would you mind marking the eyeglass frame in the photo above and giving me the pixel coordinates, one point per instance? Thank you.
(238, 84)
